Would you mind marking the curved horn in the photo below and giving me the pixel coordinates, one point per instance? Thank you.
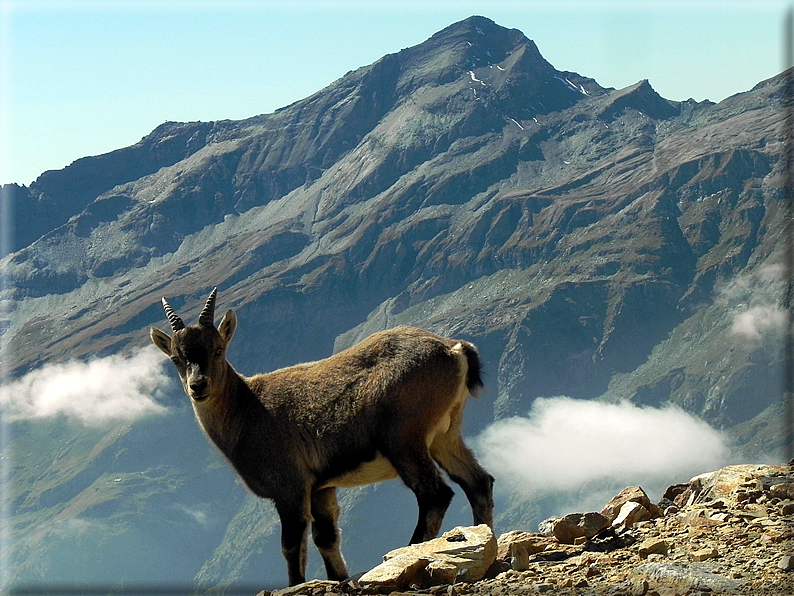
(207, 316)
(176, 322)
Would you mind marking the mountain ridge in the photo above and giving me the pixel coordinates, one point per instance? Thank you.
(233, 167)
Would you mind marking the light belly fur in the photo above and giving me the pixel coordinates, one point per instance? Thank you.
(377, 470)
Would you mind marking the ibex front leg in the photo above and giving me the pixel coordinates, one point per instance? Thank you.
(294, 517)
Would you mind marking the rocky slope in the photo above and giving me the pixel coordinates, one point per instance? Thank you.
(595, 243)
(463, 185)
(724, 532)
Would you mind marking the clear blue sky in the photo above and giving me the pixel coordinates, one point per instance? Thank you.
(83, 78)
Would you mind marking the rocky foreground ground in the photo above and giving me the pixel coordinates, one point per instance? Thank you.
(725, 532)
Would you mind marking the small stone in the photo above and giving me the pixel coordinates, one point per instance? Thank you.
(532, 543)
(687, 497)
(786, 507)
(786, 563)
(639, 588)
(629, 494)
(720, 517)
(592, 571)
(630, 514)
(519, 558)
(546, 527)
(704, 554)
(579, 540)
(695, 519)
(652, 546)
(771, 537)
(784, 490)
(752, 484)
(675, 490)
(574, 525)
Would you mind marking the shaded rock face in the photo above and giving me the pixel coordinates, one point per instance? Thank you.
(592, 242)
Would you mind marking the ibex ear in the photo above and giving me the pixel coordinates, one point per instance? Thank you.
(161, 340)
(227, 326)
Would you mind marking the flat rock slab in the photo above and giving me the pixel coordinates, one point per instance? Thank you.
(462, 554)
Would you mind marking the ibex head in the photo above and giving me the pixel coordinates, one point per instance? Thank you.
(198, 351)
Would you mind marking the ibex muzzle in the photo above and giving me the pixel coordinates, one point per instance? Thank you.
(389, 406)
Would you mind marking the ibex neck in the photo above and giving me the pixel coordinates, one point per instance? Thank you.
(220, 415)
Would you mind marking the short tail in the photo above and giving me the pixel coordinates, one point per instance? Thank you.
(474, 375)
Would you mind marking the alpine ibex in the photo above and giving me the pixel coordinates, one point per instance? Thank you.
(390, 406)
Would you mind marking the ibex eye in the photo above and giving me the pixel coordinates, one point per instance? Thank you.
(175, 360)
(219, 352)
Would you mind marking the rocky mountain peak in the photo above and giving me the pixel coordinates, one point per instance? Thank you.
(642, 97)
(483, 42)
(499, 65)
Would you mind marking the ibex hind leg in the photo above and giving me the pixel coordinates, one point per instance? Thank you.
(419, 473)
(325, 532)
(457, 460)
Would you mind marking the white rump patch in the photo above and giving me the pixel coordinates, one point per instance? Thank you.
(458, 403)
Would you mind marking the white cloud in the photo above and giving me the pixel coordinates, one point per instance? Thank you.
(754, 300)
(774, 272)
(94, 392)
(77, 527)
(766, 280)
(567, 445)
(199, 514)
(756, 321)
